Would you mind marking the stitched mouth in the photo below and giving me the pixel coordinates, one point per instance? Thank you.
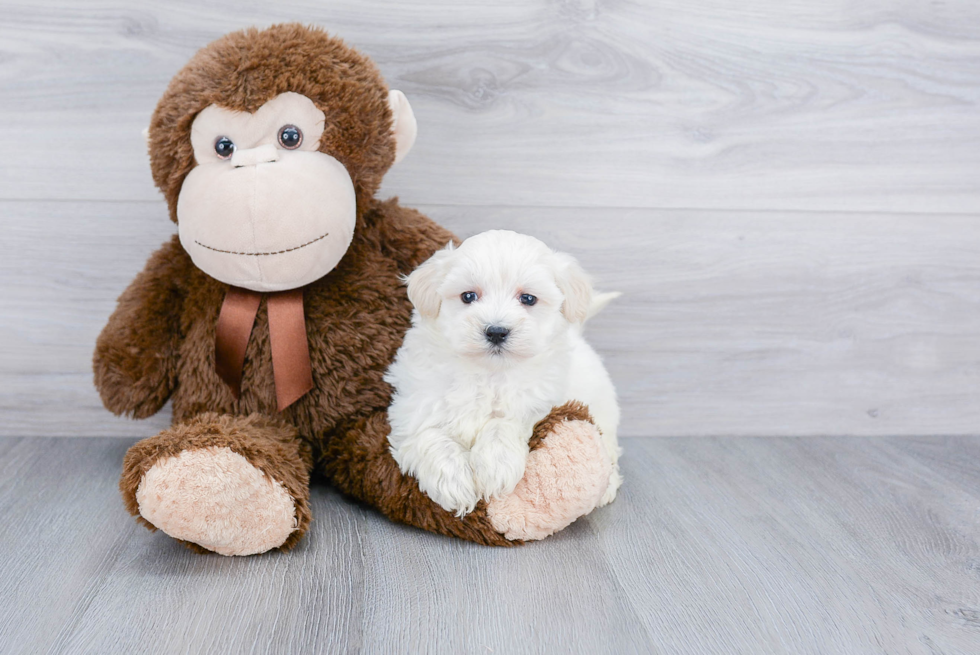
(263, 254)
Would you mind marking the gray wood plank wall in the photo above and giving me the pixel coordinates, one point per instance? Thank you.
(787, 192)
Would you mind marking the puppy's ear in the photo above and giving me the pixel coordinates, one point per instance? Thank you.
(575, 285)
(423, 283)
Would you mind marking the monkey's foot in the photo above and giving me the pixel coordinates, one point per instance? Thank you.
(216, 499)
(566, 476)
(230, 485)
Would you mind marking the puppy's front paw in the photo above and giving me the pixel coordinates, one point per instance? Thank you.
(498, 462)
(449, 483)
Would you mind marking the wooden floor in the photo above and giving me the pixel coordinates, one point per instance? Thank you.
(742, 545)
(786, 191)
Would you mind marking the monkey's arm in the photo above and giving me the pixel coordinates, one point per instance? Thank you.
(135, 360)
(409, 236)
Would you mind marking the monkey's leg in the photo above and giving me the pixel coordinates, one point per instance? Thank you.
(566, 476)
(357, 461)
(235, 485)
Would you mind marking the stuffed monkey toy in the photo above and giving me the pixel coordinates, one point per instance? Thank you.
(270, 318)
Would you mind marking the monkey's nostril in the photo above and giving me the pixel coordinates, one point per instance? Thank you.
(496, 334)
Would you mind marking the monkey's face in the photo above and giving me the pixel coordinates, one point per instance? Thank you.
(269, 145)
(263, 208)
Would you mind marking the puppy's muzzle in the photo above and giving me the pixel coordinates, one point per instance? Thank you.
(496, 334)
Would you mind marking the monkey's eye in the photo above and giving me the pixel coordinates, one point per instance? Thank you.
(224, 147)
(528, 299)
(290, 137)
(468, 296)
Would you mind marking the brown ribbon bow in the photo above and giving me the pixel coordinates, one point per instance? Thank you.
(287, 335)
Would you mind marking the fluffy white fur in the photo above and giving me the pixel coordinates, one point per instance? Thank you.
(464, 408)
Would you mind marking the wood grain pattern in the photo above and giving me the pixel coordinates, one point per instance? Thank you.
(731, 324)
(580, 122)
(760, 104)
(785, 191)
(811, 545)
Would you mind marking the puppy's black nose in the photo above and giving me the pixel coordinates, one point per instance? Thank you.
(496, 334)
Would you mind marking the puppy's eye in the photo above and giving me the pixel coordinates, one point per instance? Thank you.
(528, 299)
(224, 147)
(468, 296)
(290, 137)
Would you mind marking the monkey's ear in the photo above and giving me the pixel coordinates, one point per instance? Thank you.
(423, 283)
(403, 124)
(575, 285)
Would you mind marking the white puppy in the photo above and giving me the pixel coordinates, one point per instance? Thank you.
(496, 342)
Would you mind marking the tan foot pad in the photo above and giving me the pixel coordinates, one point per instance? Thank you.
(564, 479)
(215, 498)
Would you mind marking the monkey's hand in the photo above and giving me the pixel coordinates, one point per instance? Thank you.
(135, 360)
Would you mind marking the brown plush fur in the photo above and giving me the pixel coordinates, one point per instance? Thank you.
(159, 343)
(570, 411)
(243, 70)
(270, 445)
